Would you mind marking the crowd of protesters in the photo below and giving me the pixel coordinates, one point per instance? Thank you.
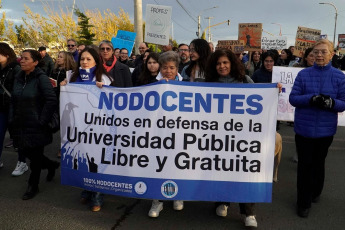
(28, 99)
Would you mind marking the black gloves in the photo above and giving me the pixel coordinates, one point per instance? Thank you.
(322, 101)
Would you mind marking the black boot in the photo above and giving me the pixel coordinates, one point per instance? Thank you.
(51, 170)
(30, 192)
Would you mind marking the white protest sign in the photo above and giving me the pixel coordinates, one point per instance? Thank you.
(276, 43)
(158, 24)
(168, 140)
(286, 76)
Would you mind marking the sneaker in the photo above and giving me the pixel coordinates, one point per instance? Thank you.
(20, 169)
(222, 210)
(1, 164)
(250, 221)
(96, 208)
(178, 205)
(156, 207)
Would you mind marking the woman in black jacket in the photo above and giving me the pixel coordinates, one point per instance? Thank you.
(117, 71)
(9, 67)
(33, 104)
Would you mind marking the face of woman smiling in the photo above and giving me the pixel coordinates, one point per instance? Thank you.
(169, 70)
(223, 66)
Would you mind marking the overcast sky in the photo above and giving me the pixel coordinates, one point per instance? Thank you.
(288, 13)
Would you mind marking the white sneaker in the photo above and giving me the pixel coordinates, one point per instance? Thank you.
(1, 164)
(222, 210)
(250, 221)
(155, 208)
(178, 205)
(20, 169)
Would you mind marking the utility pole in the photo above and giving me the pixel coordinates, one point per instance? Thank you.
(138, 23)
(199, 26)
(209, 28)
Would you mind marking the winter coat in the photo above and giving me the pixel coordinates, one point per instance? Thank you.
(48, 65)
(310, 121)
(121, 75)
(262, 76)
(7, 78)
(33, 104)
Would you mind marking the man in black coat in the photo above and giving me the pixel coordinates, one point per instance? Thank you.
(48, 61)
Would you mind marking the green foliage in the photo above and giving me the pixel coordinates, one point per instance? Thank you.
(85, 36)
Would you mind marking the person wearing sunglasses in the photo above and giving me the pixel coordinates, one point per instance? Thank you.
(318, 94)
(72, 48)
(119, 72)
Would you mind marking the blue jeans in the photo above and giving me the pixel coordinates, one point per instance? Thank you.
(3, 128)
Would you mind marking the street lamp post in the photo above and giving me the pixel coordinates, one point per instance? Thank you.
(199, 16)
(336, 16)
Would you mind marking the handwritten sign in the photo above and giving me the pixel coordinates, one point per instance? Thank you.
(158, 24)
(305, 38)
(236, 46)
(124, 39)
(276, 43)
(251, 34)
(341, 41)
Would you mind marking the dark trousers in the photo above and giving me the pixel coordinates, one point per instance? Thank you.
(37, 162)
(247, 209)
(3, 128)
(312, 154)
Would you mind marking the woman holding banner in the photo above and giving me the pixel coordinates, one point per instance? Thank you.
(224, 67)
(169, 62)
(90, 70)
(318, 94)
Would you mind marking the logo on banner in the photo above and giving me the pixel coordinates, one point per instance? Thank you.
(140, 188)
(169, 189)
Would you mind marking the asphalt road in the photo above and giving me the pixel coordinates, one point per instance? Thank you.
(58, 207)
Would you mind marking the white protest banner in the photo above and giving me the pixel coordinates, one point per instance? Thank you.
(276, 43)
(170, 140)
(286, 76)
(158, 24)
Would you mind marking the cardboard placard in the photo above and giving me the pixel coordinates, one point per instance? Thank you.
(251, 34)
(305, 38)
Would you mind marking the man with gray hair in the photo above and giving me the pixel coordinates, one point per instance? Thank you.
(72, 48)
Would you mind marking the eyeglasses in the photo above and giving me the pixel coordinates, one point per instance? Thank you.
(70, 45)
(106, 49)
(183, 50)
(192, 50)
(323, 52)
(268, 61)
(124, 53)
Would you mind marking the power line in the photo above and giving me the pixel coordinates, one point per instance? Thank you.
(177, 22)
(186, 11)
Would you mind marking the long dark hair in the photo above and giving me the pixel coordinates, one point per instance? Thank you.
(145, 75)
(6, 50)
(237, 69)
(304, 61)
(99, 65)
(268, 54)
(201, 47)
